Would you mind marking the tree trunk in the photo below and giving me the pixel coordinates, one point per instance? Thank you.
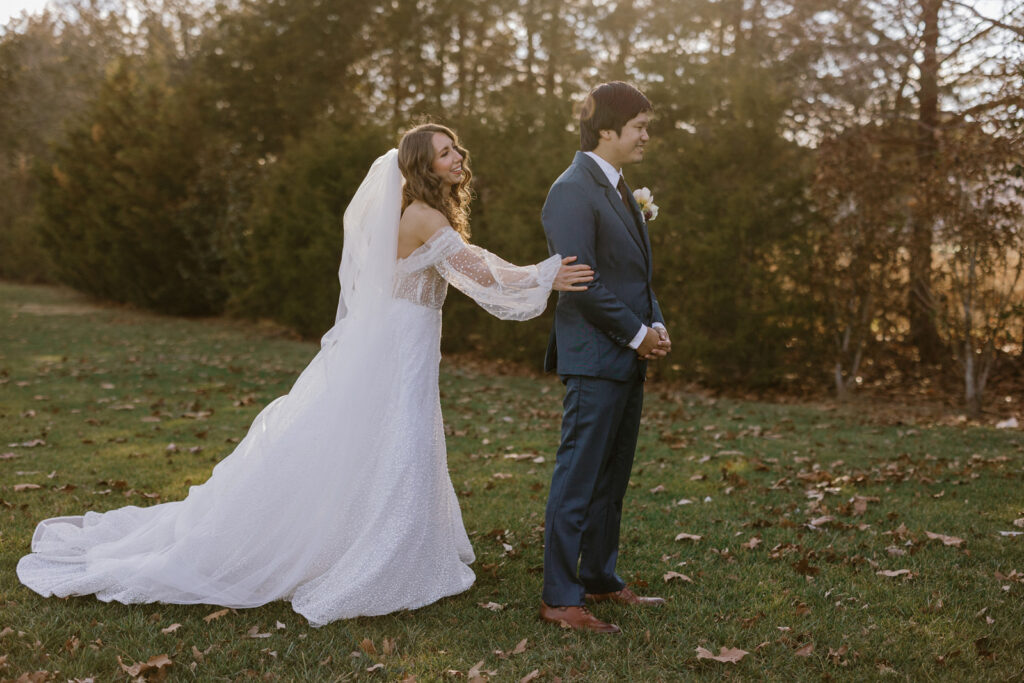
(460, 62)
(923, 333)
(972, 397)
(625, 18)
(842, 389)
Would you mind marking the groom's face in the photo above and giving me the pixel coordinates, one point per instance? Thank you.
(627, 146)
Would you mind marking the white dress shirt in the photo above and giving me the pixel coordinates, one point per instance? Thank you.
(613, 175)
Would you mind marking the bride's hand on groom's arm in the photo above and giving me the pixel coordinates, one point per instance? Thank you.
(570, 278)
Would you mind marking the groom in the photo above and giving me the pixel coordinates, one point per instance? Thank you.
(600, 345)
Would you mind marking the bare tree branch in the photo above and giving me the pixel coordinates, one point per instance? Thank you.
(966, 42)
(1019, 30)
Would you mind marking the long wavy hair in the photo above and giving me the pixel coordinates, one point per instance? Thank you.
(416, 159)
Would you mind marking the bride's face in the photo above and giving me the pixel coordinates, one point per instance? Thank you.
(447, 160)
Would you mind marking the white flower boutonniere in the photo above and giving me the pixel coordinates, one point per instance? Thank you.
(645, 199)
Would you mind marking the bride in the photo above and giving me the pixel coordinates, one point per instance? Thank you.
(338, 499)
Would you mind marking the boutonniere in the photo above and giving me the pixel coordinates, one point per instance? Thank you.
(645, 199)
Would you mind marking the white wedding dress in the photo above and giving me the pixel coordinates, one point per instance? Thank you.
(338, 499)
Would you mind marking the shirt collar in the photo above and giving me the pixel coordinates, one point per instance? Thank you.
(609, 170)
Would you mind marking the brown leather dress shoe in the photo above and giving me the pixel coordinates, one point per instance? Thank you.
(625, 597)
(574, 617)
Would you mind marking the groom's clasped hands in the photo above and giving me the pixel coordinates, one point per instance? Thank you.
(656, 344)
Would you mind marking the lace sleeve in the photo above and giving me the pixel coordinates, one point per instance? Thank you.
(504, 290)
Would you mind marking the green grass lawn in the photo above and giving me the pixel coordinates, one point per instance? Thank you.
(797, 509)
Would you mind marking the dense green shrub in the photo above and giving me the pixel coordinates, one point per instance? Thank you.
(129, 210)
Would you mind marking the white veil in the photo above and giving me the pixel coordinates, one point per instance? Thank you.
(371, 242)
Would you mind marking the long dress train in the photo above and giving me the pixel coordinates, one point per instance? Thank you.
(338, 499)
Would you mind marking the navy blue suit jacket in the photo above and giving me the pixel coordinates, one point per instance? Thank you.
(584, 216)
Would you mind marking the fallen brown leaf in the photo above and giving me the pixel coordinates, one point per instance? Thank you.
(215, 615)
(730, 655)
(493, 606)
(154, 665)
(895, 572)
(475, 673)
(254, 632)
(170, 629)
(26, 487)
(805, 651)
(672, 576)
(860, 503)
(532, 676)
(688, 537)
(804, 567)
(946, 540)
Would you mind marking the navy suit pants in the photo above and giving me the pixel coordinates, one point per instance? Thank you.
(600, 423)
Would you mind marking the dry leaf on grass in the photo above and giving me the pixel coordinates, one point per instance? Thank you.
(946, 540)
(672, 576)
(493, 606)
(26, 487)
(170, 629)
(367, 646)
(156, 666)
(860, 503)
(803, 566)
(476, 674)
(805, 651)
(752, 543)
(519, 649)
(895, 572)
(725, 654)
(254, 632)
(215, 615)
(532, 676)
(688, 537)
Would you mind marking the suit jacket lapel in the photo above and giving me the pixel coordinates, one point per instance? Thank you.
(633, 226)
(640, 231)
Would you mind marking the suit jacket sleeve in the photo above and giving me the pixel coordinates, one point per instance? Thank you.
(568, 220)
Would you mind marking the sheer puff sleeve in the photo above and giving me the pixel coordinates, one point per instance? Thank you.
(502, 289)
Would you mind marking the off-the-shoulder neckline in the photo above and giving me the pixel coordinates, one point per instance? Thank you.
(429, 240)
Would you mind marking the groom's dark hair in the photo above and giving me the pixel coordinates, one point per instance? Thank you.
(609, 106)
